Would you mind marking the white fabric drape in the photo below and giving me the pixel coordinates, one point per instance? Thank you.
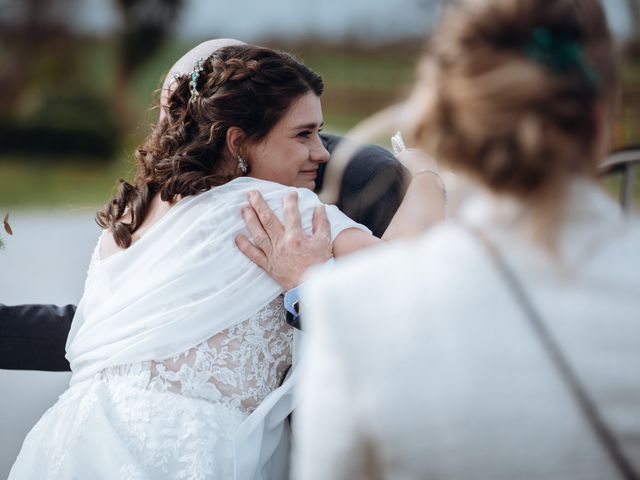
(180, 284)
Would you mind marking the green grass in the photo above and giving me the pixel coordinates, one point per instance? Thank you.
(69, 183)
(628, 116)
(358, 82)
(382, 71)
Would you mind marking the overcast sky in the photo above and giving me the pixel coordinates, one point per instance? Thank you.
(252, 20)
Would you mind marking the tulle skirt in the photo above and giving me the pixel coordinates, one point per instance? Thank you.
(115, 429)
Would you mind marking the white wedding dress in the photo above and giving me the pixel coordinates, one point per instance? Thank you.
(179, 349)
(175, 418)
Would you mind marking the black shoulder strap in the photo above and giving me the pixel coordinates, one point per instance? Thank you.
(560, 362)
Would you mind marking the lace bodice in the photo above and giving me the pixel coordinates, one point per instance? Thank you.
(237, 367)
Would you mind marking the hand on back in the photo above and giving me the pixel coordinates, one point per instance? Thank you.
(286, 251)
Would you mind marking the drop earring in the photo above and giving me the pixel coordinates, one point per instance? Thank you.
(242, 165)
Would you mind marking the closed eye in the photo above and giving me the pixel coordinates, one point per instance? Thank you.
(307, 130)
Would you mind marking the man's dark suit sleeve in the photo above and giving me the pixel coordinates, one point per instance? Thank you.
(373, 185)
(372, 189)
(33, 337)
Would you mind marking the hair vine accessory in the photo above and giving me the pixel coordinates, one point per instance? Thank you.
(559, 53)
(242, 164)
(195, 74)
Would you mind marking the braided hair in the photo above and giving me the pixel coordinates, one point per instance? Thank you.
(243, 86)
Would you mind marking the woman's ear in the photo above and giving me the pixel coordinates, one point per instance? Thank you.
(235, 139)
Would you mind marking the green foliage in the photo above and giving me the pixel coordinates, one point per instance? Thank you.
(63, 124)
(147, 25)
(62, 112)
(628, 125)
(358, 83)
(74, 182)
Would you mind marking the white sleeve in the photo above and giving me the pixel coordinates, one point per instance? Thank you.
(328, 443)
(307, 201)
(274, 193)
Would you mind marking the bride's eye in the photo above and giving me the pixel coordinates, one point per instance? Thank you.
(305, 133)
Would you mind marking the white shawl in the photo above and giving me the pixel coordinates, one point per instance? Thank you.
(181, 283)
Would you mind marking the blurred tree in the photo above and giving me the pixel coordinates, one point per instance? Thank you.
(147, 24)
(49, 106)
(634, 10)
(634, 14)
(51, 103)
(32, 31)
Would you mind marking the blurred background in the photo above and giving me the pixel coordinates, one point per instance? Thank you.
(79, 78)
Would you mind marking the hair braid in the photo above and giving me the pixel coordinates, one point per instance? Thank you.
(242, 85)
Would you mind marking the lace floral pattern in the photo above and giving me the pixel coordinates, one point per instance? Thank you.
(235, 369)
(173, 437)
(238, 367)
(130, 472)
(170, 419)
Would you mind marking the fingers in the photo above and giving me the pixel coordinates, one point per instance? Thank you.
(260, 236)
(267, 218)
(254, 254)
(291, 212)
(320, 222)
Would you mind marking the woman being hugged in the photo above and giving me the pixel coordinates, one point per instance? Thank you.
(515, 347)
(179, 346)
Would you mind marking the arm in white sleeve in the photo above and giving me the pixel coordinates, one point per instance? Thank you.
(327, 439)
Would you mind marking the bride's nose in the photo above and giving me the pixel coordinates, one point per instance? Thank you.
(318, 153)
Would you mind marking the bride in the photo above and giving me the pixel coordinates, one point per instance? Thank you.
(179, 348)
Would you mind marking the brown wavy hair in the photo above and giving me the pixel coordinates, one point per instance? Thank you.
(243, 86)
(520, 118)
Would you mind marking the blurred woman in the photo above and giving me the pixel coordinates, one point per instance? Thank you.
(514, 349)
